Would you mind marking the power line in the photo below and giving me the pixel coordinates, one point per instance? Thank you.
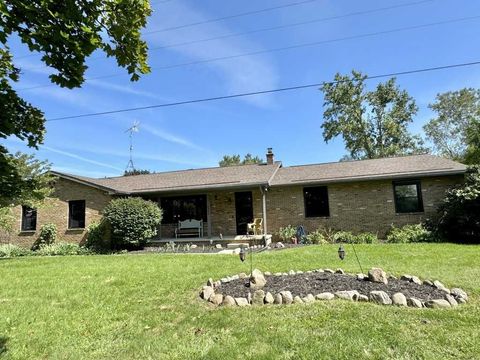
(270, 91)
(226, 36)
(285, 48)
(229, 17)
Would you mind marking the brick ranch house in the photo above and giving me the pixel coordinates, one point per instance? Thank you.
(367, 195)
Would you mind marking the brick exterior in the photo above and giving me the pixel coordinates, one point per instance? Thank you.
(357, 207)
(55, 211)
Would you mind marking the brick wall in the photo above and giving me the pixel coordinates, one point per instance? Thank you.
(361, 206)
(55, 210)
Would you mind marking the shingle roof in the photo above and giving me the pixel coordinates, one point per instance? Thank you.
(394, 167)
(275, 175)
(218, 177)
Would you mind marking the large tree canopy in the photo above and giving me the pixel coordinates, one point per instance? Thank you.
(454, 129)
(65, 33)
(373, 124)
(230, 160)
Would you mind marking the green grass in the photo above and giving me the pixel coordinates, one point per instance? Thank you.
(146, 307)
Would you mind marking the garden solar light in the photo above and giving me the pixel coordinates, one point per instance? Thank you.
(242, 254)
(341, 252)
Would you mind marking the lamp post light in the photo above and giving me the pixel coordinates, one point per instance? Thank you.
(242, 254)
(341, 252)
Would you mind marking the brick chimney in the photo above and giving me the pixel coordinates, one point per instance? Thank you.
(270, 156)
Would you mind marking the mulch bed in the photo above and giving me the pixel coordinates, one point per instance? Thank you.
(316, 283)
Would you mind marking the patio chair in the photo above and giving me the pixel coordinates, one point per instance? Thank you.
(255, 226)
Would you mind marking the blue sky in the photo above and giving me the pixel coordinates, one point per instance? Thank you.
(193, 136)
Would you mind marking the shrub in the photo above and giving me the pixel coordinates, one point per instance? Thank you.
(98, 237)
(9, 251)
(459, 219)
(287, 233)
(132, 221)
(366, 238)
(316, 237)
(48, 235)
(409, 234)
(61, 249)
(344, 237)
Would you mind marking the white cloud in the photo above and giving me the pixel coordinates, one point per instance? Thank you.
(170, 137)
(242, 74)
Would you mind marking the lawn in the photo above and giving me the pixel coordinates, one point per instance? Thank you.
(146, 307)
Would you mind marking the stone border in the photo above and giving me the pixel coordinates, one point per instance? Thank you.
(453, 297)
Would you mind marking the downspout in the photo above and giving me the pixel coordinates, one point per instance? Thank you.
(263, 190)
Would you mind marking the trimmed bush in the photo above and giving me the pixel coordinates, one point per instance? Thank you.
(10, 251)
(132, 221)
(98, 237)
(48, 235)
(61, 249)
(409, 234)
(316, 237)
(350, 238)
(287, 233)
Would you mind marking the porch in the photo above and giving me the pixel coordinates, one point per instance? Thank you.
(232, 241)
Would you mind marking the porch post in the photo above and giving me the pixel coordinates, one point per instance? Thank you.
(209, 218)
(264, 208)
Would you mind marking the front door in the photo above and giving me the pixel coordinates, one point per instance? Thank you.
(243, 210)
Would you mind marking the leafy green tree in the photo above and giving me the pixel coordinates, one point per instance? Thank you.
(65, 33)
(454, 130)
(230, 160)
(373, 124)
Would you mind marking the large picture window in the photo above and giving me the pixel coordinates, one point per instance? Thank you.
(316, 201)
(181, 208)
(29, 219)
(76, 214)
(408, 196)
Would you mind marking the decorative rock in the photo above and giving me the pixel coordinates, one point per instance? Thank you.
(380, 297)
(287, 297)
(217, 283)
(242, 275)
(291, 272)
(399, 299)
(309, 299)
(228, 301)
(269, 298)
(216, 299)
(235, 277)
(219, 246)
(210, 282)
(362, 298)
(279, 245)
(278, 274)
(325, 296)
(416, 280)
(241, 302)
(297, 300)
(193, 246)
(267, 273)
(459, 294)
(451, 300)
(277, 299)
(361, 277)
(257, 280)
(437, 304)
(258, 297)
(329, 271)
(351, 295)
(320, 271)
(299, 272)
(206, 292)
(224, 280)
(427, 282)
(461, 301)
(309, 272)
(249, 297)
(339, 271)
(438, 285)
(392, 277)
(377, 275)
(413, 302)
(406, 277)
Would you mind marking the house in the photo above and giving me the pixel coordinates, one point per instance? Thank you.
(366, 195)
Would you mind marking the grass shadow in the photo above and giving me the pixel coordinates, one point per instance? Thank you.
(3, 345)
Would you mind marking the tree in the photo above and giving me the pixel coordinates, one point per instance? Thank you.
(373, 124)
(65, 33)
(230, 160)
(136, 172)
(454, 130)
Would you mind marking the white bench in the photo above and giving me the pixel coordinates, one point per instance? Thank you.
(189, 227)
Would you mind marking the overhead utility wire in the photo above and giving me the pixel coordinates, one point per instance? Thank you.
(226, 36)
(290, 88)
(316, 43)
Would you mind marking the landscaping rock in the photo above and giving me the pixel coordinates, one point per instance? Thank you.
(218, 246)
(459, 294)
(380, 297)
(437, 304)
(287, 297)
(241, 302)
(399, 299)
(377, 275)
(329, 271)
(416, 280)
(297, 300)
(361, 276)
(257, 280)
(362, 298)
(277, 299)
(228, 301)
(299, 272)
(291, 272)
(216, 299)
(427, 282)
(309, 299)
(339, 271)
(461, 301)
(206, 292)
(258, 297)
(325, 296)
(224, 280)
(438, 285)
(242, 275)
(413, 302)
(406, 277)
(279, 245)
(392, 277)
(451, 300)
(267, 273)
(351, 295)
(210, 282)
(278, 274)
(249, 297)
(269, 298)
(193, 246)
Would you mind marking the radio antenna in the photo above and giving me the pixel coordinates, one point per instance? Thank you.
(131, 130)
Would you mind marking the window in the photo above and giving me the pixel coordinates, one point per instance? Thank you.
(183, 208)
(408, 196)
(76, 214)
(29, 219)
(316, 201)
